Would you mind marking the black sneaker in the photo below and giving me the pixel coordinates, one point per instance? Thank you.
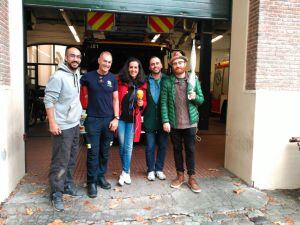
(102, 182)
(57, 201)
(69, 190)
(92, 190)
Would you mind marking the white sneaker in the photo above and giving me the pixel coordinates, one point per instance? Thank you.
(151, 176)
(160, 175)
(127, 178)
(122, 179)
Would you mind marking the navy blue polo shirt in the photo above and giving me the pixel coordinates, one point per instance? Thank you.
(100, 89)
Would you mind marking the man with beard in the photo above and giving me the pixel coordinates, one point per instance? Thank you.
(64, 110)
(152, 125)
(101, 122)
(179, 102)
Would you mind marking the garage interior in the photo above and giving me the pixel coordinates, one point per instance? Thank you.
(47, 34)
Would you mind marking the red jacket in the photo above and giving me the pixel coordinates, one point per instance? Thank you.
(123, 89)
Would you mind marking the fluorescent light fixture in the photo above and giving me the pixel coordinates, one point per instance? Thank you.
(155, 38)
(71, 27)
(216, 38)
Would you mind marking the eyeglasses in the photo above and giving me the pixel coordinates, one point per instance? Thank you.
(179, 63)
(73, 56)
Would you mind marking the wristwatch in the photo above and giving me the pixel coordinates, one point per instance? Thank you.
(117, 117)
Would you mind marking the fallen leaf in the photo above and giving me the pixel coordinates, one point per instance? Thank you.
(2, 221)
(147, 208)
(159, 220)
(139, 218)
(38, 191)
(113, 203)
(116, 189)
(289, 220)
(278, 223)
(67, 198)
(29, 211)
(57, 222)
(237, 184)
(213, 169)
(109, 223)
(238, 191)
(90, 205)
(271, 200)
(153, 196)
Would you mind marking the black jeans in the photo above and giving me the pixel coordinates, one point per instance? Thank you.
(64, 154)
(100, 137)
(186, 137)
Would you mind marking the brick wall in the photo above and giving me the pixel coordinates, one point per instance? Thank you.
(4, 44)
(273, 53)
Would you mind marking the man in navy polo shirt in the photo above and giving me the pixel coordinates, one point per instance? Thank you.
(101, 122)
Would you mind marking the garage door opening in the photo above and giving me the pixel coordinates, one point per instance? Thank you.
(48, 35)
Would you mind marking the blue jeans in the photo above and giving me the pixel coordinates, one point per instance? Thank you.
(99, 136)
(159, 138)
(125, 134)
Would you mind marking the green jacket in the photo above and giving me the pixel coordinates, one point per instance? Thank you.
(152, 113)
(168, 107)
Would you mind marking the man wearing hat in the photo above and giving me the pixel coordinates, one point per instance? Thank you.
(179, 102)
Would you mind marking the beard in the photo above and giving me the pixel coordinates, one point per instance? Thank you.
(73, 65)
(178, 71)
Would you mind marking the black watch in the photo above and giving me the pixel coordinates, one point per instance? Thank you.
(117, 117)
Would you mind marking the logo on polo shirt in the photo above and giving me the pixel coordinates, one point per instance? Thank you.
(109, 84)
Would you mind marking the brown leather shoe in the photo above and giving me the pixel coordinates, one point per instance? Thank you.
(192, 183)
(178, 181)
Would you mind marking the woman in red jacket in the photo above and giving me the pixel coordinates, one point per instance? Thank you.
(132, 87)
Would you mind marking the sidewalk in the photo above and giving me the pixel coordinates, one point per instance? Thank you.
(223, 200)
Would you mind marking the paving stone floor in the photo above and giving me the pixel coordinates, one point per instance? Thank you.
(224, 200)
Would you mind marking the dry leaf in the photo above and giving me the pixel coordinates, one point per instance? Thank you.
(278, 223)
(238, 191)
(113, 203)
(289, 220)
(213, 169)
(90, 205)
(2, 221)
(237, 184)
(38, 191)
(116, 189)
(271, 200)
(159, 220)
(139, 218)
(109, 223)
(29, 211)
(57, 222)
(147, 208)
(153, 196)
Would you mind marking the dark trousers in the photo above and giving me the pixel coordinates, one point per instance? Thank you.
(186, 137)
(155, 162)
(99, 136)
(64, 154)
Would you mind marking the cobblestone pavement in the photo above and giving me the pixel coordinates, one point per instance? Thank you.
(223, 200)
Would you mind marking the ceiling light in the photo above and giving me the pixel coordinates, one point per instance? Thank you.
(216, 38)
(155, 38)
(71, 27)
(199, 47)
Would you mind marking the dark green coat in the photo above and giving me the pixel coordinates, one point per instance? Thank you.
(167, 97)
(152, 113)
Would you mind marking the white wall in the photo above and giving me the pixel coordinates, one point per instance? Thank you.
(241, 103)
(276, 162)
(12, 148)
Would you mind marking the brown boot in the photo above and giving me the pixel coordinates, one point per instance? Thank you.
(192, 183)
(178, 181)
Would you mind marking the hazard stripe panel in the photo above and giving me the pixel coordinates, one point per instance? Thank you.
(100, 21)
(160, 24)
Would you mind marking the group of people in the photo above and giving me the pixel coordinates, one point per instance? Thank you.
(116, 104)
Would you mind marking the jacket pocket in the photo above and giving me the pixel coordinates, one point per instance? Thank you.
(74, 112)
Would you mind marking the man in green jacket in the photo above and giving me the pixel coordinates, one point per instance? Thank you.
(152, 125)
(179, 102)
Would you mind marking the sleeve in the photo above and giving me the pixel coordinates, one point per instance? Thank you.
(115, 87)
(164, 101)
(199, 95)
(83, 80)
(52, 91)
